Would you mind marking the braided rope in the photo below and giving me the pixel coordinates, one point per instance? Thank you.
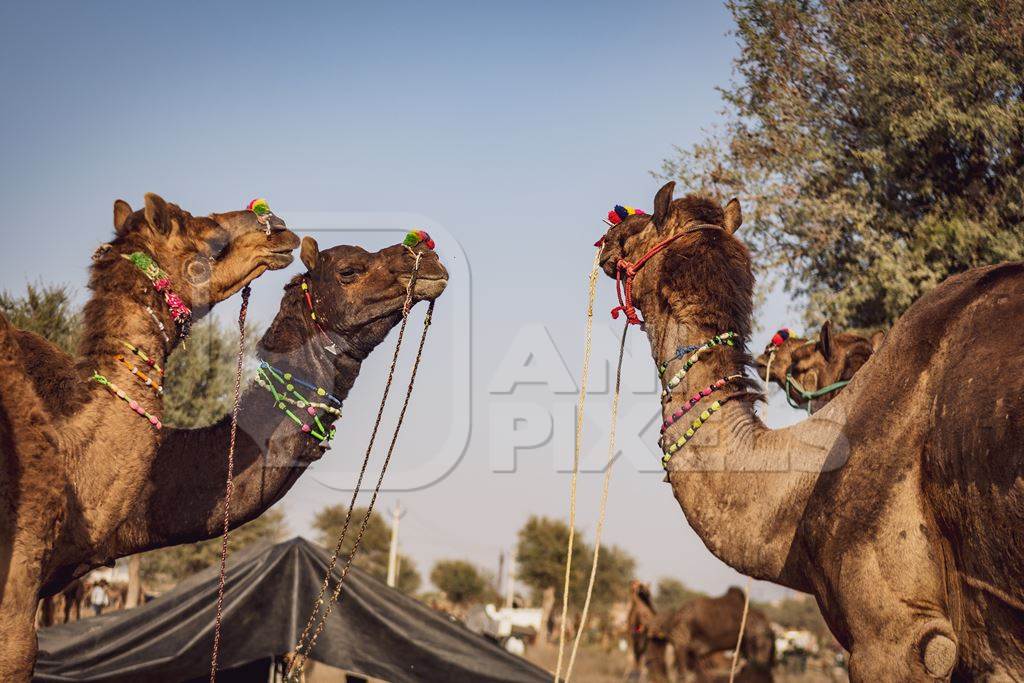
(229, 485)
(359, 479)
(604, 503)
(743, 626)
(584, 375)
(337, 596)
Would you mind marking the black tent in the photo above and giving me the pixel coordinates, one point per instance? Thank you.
(376, 631)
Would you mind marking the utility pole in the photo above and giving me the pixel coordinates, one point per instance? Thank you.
(510, 583)
(397, 513)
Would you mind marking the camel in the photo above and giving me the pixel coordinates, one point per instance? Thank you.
(899, 504)
(74, 453)
(696, 630)
(358, 296)
(814, 364)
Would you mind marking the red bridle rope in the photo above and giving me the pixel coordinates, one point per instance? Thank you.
(625, 290)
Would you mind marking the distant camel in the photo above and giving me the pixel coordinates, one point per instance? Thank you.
(805, 368)
(697, 629)
(898, 505)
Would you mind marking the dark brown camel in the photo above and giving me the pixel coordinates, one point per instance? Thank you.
(73, 455)
(359, 296)
(898, 505)
(815, 364)
(696, 630)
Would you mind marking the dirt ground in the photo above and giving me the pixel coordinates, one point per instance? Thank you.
(594, 665)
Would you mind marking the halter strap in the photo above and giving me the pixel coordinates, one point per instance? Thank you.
(809, 396)
(624, 286)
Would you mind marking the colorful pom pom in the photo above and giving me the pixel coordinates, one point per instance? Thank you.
(417, 237)
(621, 213)
(779, 337)
(259, 206)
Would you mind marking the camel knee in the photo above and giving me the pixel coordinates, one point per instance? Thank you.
(929, 653)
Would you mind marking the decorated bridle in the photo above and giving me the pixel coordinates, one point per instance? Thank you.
(626, 271)
(792, 385)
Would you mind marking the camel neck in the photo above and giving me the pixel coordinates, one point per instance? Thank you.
(734, 478)
(294, 344)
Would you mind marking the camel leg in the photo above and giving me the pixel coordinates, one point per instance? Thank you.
(31, 501)
(896, 602)
(17, 623)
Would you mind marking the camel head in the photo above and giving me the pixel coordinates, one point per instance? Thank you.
(816, 364)
(358, 295)
(641, 619)
(208, 258)
(700, 279)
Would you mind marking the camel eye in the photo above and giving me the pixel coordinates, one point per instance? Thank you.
(347, 272)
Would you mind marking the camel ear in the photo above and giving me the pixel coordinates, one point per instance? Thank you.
(876, 340)
(310, 253)
(662, 202)
(733, 216)
(121, 213)
(157, 214)
(825, 343)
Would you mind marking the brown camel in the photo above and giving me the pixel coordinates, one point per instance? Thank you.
(696, 630)
(74, 455)
(815, 364)
(898, 505)
(358, 296)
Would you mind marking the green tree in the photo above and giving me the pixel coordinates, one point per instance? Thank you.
(459, 580)
(46, 310)
(671, 593)
(541, 555)
(200, 375)
(881, 145)
(373, 549)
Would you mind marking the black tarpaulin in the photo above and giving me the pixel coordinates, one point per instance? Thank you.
(375, 631)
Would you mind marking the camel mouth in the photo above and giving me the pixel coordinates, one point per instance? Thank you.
(280, 259)
(427, 287)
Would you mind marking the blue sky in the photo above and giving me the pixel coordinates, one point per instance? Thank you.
(512, 127)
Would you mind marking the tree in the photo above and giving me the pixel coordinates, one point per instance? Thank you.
(200, 376)
(671, 594)
(881, 144)
(46, 310)
(541, 555)
(460, 581)
(373, 549)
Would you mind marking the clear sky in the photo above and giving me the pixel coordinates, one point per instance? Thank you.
(508, 129)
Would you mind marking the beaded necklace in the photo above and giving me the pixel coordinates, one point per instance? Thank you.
(329, 344)
(280, 384)
(727, 339)
(142, 376)
(180, 313)
(134, 405)
(703, 393)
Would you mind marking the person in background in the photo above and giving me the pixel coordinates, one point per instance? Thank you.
(98, 597)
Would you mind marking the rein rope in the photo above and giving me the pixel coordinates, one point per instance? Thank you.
(229, 485)
(606, 482)
(584, 376)
(304, 647)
